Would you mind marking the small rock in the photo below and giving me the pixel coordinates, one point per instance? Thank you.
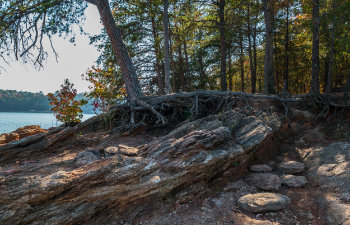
(8, 137)
(260, 168)
(121, 149)
(85, 158)
(291, 167)
(264, 181)
(263, 202)
(293, 181)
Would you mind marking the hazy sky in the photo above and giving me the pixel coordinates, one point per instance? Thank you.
(73, 61)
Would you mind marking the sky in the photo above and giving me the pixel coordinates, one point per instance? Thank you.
(73, 61)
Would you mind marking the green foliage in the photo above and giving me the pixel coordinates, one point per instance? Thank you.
(105, 88)
(65, 107)
(19, 101)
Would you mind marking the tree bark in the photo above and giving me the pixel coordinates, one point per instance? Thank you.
(254, 53)
(166, 48)
(173, 68)
(187, 70)
(331, 53)
(252, 74)
(315, 83)
(268, 6)
(203, 78)
(347, 86)
(241, 61)
(286, 52)
(222, 45)
(125, 63)
(230, 83)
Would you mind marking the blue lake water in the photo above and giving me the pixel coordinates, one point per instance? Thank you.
(10, 121)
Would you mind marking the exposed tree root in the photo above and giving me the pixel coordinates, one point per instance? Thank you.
(161, 110)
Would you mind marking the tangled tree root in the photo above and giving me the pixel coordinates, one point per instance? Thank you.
(162, 110)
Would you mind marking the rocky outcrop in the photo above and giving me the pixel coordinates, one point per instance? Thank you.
(21, 133)
(329, 168)
(74, 187)
(262, 202)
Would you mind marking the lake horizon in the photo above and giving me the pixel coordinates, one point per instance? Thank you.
(10, 121)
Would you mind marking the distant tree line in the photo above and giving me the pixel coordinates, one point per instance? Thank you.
(21, 101)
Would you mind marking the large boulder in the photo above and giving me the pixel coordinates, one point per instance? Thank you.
(74, 188)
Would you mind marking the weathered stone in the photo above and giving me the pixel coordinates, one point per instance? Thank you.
(28, 131)
(263, 202)
(84, 158)
(21, 133)
(264, 181)
(291, 167)
(8, 137)
(252, 133)
(121, 149)
(260, 168)
(67, 185)
(328, 167)
(293, 181)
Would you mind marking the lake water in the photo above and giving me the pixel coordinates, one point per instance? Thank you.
(10, 121)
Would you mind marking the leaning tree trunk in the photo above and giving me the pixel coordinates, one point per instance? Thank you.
(268, 65)
(124, 61)
(222, 45)
(166, 48)
(315, 83)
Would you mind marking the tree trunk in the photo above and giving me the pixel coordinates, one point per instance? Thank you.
(277, 75)
(182, 72)
(166, 48)
(172, 63)
(187, 70)
(241, 61)
(203, 78)
(325, 74)
(230, 83)
(252, 74)
(315, 83)
(125, 63)
(157, 50)
(347, 86)
(222, 45)
(268, 6)
(286, 52)
(254, 54)
(331, 54)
